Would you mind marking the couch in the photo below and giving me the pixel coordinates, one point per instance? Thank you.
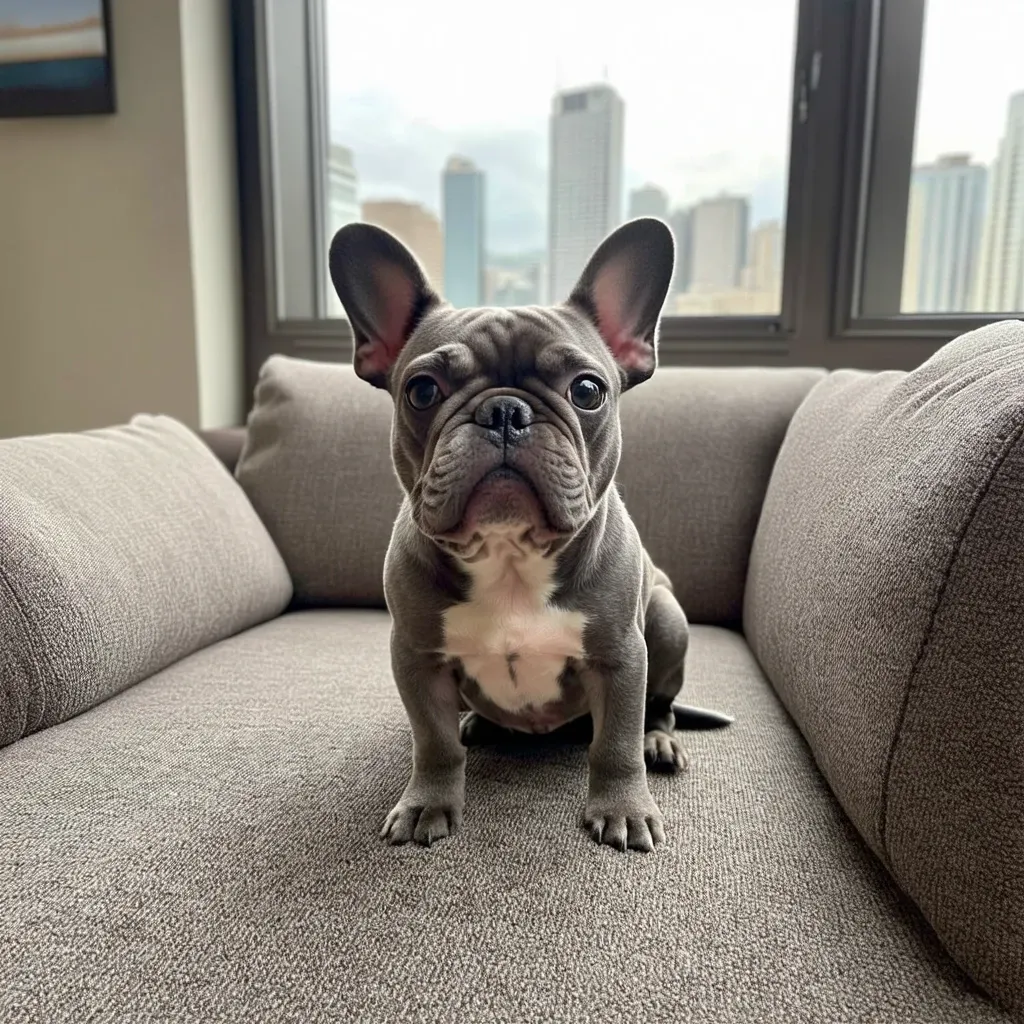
(200, 735)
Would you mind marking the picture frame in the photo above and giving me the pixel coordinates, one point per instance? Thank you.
(56, 58)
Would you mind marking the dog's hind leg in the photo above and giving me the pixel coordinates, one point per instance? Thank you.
(667, 634)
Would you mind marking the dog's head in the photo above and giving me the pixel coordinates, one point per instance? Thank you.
(505, 419)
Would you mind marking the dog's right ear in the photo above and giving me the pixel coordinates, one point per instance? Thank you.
(622, 290)
(384, 292)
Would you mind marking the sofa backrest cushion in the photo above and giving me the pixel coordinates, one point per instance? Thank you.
(698, 449)
(121, 551)
(885, 601)
(317, 468)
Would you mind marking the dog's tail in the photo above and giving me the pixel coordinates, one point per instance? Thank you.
(689, 717)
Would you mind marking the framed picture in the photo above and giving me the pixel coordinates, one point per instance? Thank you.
(55, 58)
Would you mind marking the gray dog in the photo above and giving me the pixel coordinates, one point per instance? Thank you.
(516, 580)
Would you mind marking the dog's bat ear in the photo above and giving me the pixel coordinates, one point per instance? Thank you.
(622, 291)
(384, 293)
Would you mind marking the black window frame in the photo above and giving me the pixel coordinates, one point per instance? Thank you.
(854, 106)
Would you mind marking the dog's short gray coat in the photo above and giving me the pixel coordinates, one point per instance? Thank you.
(516, 580)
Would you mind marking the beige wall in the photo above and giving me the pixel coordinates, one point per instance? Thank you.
(101, 315)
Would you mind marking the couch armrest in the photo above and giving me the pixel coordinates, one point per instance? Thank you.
(885, 600)
(121, 551)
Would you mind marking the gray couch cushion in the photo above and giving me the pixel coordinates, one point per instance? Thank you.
(121, 550)
(317, 467)
(886, 602)
(205, 848)
(698, 448)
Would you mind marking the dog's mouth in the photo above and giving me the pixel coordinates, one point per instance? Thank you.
(505, 504)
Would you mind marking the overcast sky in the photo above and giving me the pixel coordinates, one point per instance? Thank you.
(973, 62)
(706, 86)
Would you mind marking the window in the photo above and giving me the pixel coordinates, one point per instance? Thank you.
(503, 157)
(844, 178)
(958, 155)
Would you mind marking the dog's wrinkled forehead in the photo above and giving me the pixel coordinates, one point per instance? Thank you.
(505, 346)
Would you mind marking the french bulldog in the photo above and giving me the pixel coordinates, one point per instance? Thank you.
(521, 596)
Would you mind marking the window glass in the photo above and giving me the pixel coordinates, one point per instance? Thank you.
(503, 148)
(964, 249)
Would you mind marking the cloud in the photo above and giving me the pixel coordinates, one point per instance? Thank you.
(516, 164)
(402, 157)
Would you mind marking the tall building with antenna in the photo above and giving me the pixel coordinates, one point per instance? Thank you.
(585, 188)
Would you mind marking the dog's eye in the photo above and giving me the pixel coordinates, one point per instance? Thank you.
(422, 392)
(586, 392)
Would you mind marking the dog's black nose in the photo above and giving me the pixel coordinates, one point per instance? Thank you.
(507, 418)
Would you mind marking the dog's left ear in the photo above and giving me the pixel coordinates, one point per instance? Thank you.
(623, 289)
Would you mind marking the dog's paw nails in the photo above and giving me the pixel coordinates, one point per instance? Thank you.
(663, 752)
(434, 824)
(616, 833)
(400, 825)
(422, 824)
(657, 829)
(633, 831)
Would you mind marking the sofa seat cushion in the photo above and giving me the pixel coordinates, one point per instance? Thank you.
(205, 847)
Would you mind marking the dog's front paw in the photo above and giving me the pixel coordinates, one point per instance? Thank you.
(630, 821)
(422, 821)
(664, 752)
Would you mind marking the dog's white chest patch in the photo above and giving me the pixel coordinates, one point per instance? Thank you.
(507, 636)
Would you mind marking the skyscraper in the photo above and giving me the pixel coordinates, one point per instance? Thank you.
(681, 223)
(417, 228)
(944, 221)
(1000, 283)
(763, 272)
(719, 231)
(462, 213)
(342, 205)
(585, 192)
(648, 201)
(342, 188)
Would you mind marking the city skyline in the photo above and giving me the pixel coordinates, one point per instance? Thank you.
(519, 218)
(964, 247)
(750, 285)
(446, 89)
(585, 198)
(585, 195)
